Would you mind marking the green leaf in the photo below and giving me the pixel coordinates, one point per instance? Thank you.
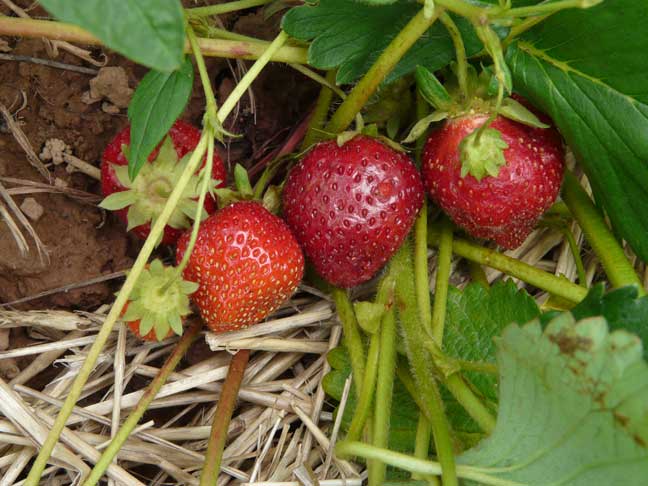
(351, 35)
(431, 89)
(150, 32)
(421, 126)
(587, 69)
(369, 315)
(516, 111)
(573, 408)
(622, 308)
(159, 100)
(475, 316)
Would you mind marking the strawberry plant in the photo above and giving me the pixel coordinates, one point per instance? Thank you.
(512, 116)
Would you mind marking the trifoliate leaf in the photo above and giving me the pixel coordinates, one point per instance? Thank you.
(482, 153)
(573, 408)
(475, 316)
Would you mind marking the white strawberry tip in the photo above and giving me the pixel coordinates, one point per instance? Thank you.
(159, 300)
(146, 196)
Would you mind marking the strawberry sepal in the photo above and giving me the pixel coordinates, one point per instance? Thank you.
(482, 154)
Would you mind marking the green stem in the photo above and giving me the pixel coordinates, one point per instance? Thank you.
(470, 402)
(210, 99)
(521, 28)
(351, 336)
(246, 81)
(224, 8)
(11, 26)
(157, 228)
(368, 388)
(460, 53)
(444, 261)
(415, 465)
(543, 280)
(422, 446)
(415, 337)
(222, 418)
(367, 86)
(547, 8)
(316, 123)
(571, 241)
(613, 259)
(384, 393)
(478, 366)
(217, 33)
(463, 8)
(138, 412)
(477, 273)
(421, 273)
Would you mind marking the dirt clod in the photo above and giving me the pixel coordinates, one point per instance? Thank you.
(112, 84)
(32, 209)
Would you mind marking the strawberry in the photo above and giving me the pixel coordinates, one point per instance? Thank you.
(139, 202)
(246, 263)
(498, 185)
(159, 303)
(351, 206)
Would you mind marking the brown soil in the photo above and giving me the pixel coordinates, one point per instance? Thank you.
(82, 241)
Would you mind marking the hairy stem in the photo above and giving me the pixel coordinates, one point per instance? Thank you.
(367, 86)
(224, 8)
(477, 273)
(368, 388)
(415, 337)
(485, 256)
(222, 418)
(421, 273)
(318, 119)
(157, 228)
(138, 412)
(422, 446)
(49, 29)
(351, 336)
(384, 393)
(460, 53)
(204, 76)
(613, 259)
(444, 261)
(470, 402)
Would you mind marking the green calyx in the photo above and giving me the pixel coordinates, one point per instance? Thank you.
(146, 196)
(159, 300)
(482, 153)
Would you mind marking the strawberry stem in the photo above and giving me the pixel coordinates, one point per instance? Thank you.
(444, 261)
(138, 412)
(421, 271)
(76, 388)
(318, 117)
(610, 253)
(224, 8)
(387, 60)
(222, 418)
(558, 286)
(422, 447)
(415, 337)
(460, 53)
(210, 99)
(470, 402)
(351, 336)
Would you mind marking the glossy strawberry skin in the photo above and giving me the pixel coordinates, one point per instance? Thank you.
(246, 263)
(185, 138)
(505, 208)
(351, 207)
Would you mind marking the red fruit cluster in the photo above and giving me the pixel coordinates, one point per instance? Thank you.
(504, 208)
(352, 206)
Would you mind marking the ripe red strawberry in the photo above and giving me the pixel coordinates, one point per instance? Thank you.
(246, 263)
(351, 207)
(140, 201)
(500, 203)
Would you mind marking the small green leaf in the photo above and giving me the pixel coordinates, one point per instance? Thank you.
(475, 316)
(118, 200)
(150, 32)
(482, 154)
(573, 408)
(159, 100)
(242, 181)
(516, 111)
(431, 89)
(421, 126)
(369, 315)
